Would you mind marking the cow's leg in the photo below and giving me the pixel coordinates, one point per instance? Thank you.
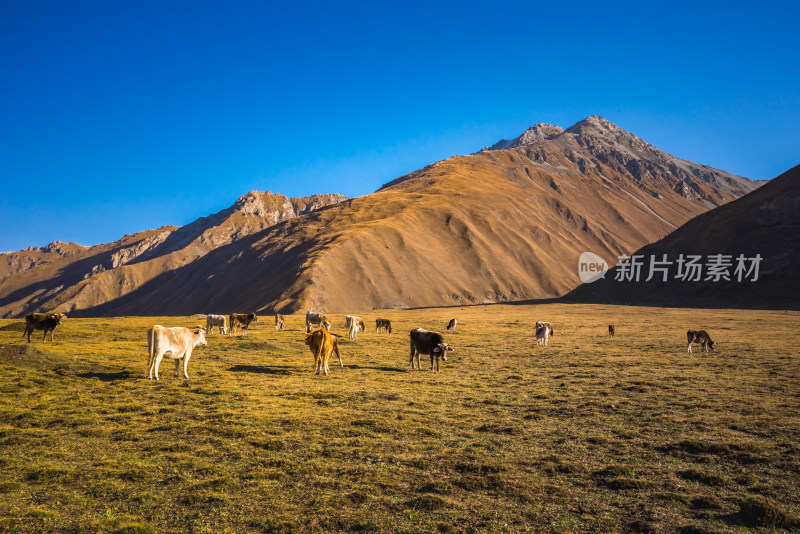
(186, 363)
(29, 332)
(177, 366)
(156, 363)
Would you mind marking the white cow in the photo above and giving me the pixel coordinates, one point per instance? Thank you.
(176, 343)
(316, 318)
(354, 325)
(215, 320)
(543, 332)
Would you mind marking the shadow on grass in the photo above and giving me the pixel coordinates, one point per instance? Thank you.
(378, 368)
(263, 369)
(107, 377)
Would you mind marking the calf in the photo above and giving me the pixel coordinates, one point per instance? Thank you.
(543, 339)
(383, 323)
(215, 320)
(176, 343)
(611, 330)
(452, 325)
(278, 321)
(318, 319)
(42, 321)
(322, 343)
(702, 337)
(425, 342)
(242, 320)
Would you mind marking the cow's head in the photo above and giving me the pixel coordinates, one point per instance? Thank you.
(309, 337)
(442, 349)
(200, 332)
(713, 346)
(253, 317)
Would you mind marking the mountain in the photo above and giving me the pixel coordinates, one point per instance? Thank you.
(70, 277)
(498, 225)
(764, 223)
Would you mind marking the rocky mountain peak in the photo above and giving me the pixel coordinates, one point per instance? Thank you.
(537, 132)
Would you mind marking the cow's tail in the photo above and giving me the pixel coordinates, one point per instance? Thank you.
(150, 351)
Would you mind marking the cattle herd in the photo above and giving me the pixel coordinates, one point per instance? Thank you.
(177, 343)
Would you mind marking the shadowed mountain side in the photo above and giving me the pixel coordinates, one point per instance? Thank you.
(765, 222)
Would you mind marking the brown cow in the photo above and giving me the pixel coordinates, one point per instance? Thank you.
(241, 320)
(322, 343)
(611, 330)
(42, 321)
(452, 325)
(278, 321)
(425, 342)
(383, 323)
(702, 337)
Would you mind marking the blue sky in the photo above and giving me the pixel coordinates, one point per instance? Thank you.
(116, 117)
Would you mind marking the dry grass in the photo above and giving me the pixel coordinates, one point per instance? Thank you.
(590, 434)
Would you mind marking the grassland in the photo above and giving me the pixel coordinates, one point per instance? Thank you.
(588, 435)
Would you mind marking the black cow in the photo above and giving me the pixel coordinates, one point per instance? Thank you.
(383, 323)
(42, 321)
(425, 342)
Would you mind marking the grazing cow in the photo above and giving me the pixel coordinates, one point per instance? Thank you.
(241, 320)
(318, 319)
(452, 325)
(176, 343)
(611, 330)
(425, 342)
(354, 325)
(702, 337)
(42, 321)
(550, 333)
(278, 321)
(215, 320)
(542, 335)
(383, 323)
(322, 343)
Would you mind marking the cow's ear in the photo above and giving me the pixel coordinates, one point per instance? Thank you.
(450, 349)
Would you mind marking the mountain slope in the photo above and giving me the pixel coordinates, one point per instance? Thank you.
(72, 277)
(498, 225)
(765, 222)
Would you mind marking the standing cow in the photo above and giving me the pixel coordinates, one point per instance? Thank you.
(215, 320)
(452, 325)
(383, 323)
(702, 337)
(278, 321)
(42, 321)
(426, 342)
(321, 343)
(176, 343)
(354, 325)
(241, 320)
(611, 331)
(318, 319)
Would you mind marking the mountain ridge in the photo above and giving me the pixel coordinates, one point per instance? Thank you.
(498, 225)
